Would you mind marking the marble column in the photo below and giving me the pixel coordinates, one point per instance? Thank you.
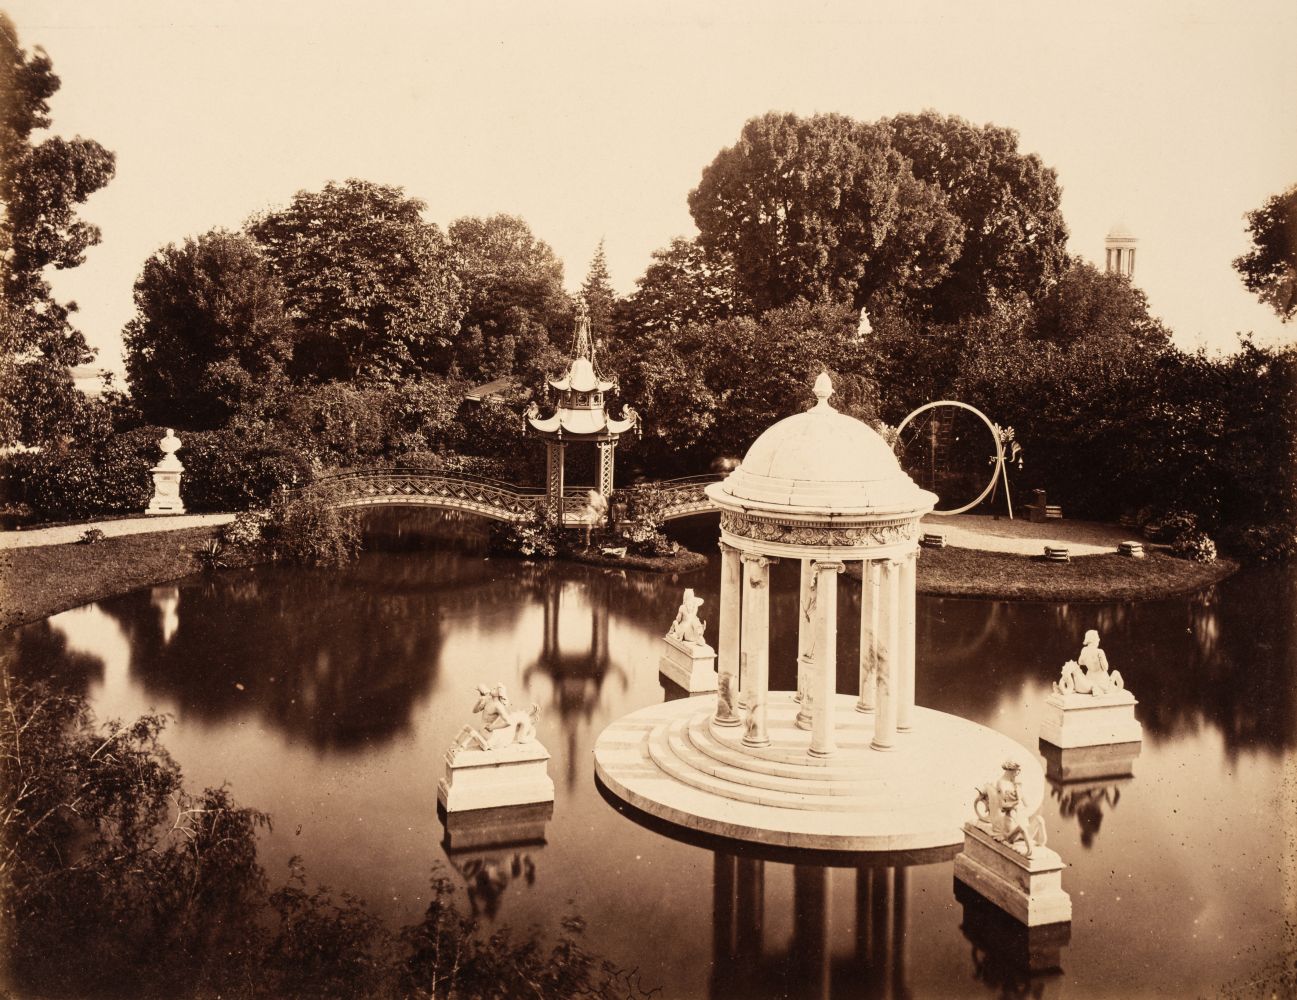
(825, 683)
(754, 655)
(727, 659)
(870, 578)
(805, 643)
(889, 629)
(908, 623)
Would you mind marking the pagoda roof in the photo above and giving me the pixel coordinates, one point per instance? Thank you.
(581, 377)
(579, 422)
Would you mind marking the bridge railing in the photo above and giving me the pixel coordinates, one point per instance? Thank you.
(376, 486)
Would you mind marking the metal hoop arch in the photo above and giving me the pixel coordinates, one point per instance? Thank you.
(995, 436)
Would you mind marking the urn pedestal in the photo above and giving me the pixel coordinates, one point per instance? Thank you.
(1086, 720)
(690, 665)
(1029, 890)
(483, 779)
(166, 479)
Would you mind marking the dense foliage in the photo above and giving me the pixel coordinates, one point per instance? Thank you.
(1269, 269)
(211, 334)
(41, 184)
(117, 881)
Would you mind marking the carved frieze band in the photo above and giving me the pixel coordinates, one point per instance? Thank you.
(861, 535)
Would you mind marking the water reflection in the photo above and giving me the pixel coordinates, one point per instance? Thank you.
(1011, 960)
(745, 963)
(1086, 783)
(493, 849)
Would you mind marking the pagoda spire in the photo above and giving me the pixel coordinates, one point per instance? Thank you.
(582, 342)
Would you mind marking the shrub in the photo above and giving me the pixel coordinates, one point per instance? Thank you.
(532, 538)
(111, 477)
(1169, 527)
(1262, 542)
(91, 535)
(304, 529)
(1195, 545)
(229, 470)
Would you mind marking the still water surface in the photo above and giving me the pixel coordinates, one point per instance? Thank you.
(328, 699)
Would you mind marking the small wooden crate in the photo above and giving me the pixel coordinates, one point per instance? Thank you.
(1057, 553)
(933, 540)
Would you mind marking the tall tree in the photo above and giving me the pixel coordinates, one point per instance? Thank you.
(513, 294)
(684, 284)
(41, 185)
(1269, 269)
(371, 285)
(210, 333)
(599, 297)
(1013, 234)
(1086, 304)
(822, 207)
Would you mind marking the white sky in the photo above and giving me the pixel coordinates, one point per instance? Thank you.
(595, 120)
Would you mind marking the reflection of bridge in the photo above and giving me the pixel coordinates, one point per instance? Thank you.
(491, 498)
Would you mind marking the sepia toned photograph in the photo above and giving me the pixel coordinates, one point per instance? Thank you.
(716, 501)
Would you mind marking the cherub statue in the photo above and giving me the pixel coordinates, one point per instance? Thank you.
(998, 806)
(504, 725)
(687, 627)
(1088, 673)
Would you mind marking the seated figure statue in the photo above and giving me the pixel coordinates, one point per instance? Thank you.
(1088, 673)
(999, 808)
(687, 627)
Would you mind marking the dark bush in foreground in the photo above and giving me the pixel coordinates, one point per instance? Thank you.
(117, 882)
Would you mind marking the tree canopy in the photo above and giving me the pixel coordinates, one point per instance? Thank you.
(41, 185)
(599, 296)
(822, 207)
(371, 286)
(684, 284)
(1269, 269)
(1013, 234)
(514, 300)
(210, 333)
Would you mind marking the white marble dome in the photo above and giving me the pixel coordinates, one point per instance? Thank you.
(825, 462)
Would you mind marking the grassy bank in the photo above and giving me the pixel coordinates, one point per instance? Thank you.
(952, 572)
(43, 580)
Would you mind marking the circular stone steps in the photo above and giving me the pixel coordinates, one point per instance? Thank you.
(672, 762)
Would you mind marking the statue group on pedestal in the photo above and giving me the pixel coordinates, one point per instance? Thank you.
(1088, 673)
(687, 626)
(998, 807)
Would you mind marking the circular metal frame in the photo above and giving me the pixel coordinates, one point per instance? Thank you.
(995, 436)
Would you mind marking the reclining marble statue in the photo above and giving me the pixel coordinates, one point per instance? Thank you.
(503, 724)
(1088, 673)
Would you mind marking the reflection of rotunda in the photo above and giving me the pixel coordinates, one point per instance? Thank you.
(863, 770)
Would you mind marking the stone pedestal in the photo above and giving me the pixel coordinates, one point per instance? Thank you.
(688, 664)
(1030, 891)
(483, 779)
(1085, 720)
(166, 479)
(1110, 760)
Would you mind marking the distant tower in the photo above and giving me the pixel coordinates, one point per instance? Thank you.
(1119, 251)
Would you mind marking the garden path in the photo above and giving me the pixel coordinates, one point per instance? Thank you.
(64, 533)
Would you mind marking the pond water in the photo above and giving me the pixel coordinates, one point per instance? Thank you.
(328, 698)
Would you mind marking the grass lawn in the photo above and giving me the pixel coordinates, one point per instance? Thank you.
(952, 572)
(43, 580)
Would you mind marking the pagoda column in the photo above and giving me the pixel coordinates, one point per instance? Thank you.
(889, 628)
(754, 656)
(908, 623)
(606, 451)
(805, 643)
(554, 481)
(727, 653)
(826, 658)
(870, 582)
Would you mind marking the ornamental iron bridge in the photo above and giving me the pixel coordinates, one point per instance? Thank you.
(491, 498)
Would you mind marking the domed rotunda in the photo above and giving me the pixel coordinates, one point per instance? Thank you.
(863, 769)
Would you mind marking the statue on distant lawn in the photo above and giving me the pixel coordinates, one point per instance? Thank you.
(1088, 673)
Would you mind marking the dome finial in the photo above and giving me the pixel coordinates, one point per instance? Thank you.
(823, 390)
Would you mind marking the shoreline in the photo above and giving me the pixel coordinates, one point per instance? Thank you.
(37, 582)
